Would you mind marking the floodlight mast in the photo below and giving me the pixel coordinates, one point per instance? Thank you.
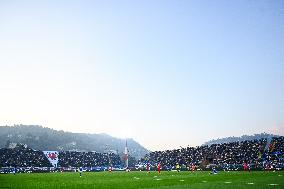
(126, 154)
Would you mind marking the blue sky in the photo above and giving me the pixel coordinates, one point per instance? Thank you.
(166, 73)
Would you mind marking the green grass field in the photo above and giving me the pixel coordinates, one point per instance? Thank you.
(129, 180)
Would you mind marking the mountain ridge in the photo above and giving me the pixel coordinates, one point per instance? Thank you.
(239, 139)
(44, 138)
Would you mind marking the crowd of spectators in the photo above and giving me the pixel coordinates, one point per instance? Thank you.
(256, 153)
(87, 159)
(21, 156)
(277, 145)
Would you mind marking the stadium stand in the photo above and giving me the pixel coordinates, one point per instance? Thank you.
(87, 159)
(21, 156)
(258, 154)
(226, 155)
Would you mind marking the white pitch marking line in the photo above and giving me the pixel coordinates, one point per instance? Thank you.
(273, 184)
(158, 179)
(181, 180)
(228, 182)
(250, 183)
(204, 181)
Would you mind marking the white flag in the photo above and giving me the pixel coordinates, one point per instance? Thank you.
(52, 156)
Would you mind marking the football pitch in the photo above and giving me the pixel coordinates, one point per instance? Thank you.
(131, 180)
